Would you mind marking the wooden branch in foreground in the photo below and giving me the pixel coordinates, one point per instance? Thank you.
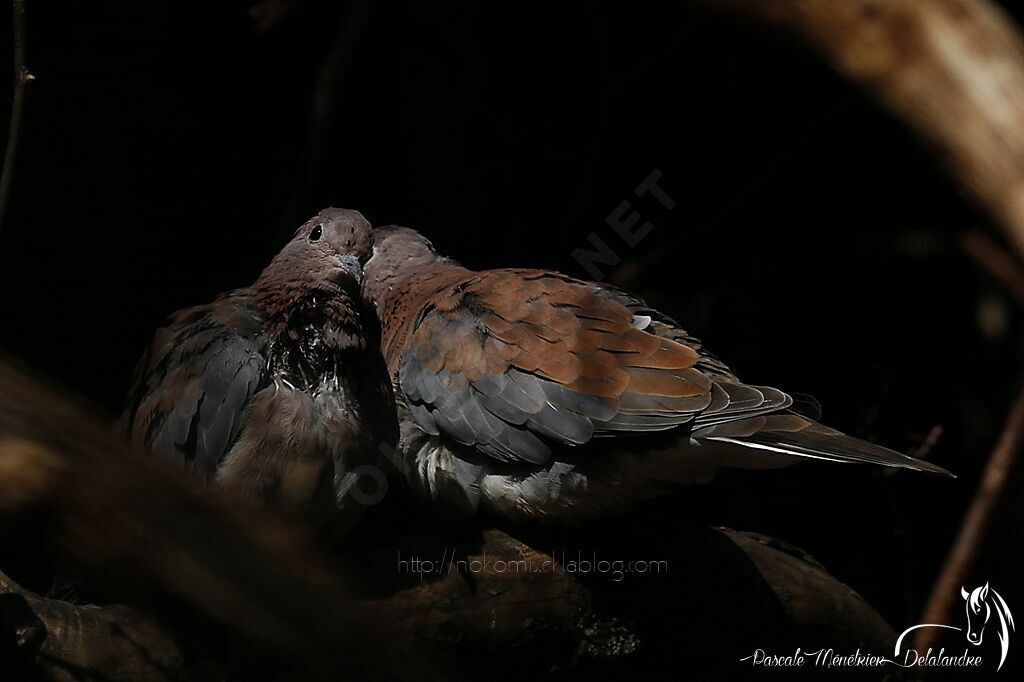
(952, 70)
(532, 622)
(207, 566)
(215, 586)
(61, 641)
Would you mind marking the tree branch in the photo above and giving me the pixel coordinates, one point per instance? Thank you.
(112, 642)
(215, 582)
(997, 262)
(974, 527)
(952, 70)
(211, 566)
(532, 621)
(22, 77)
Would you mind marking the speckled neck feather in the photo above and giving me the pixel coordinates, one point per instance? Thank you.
(310, 320)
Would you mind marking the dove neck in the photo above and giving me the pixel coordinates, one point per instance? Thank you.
(310, 332)
(399, 293)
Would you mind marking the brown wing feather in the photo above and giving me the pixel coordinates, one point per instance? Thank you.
(511, 361)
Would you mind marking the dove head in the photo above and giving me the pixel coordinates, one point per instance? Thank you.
(325, 254)
(403, 269)
(320, 269)
(401, 256)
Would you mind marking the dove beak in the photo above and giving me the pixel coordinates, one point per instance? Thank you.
(351, 267)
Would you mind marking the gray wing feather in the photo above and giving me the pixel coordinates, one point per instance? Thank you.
(192, 388)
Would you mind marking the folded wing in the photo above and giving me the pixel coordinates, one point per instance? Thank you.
(192, 387)
(514, 362)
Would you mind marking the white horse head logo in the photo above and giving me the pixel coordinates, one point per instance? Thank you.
(981, 604)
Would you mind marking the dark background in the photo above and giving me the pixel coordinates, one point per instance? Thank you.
(170, 149)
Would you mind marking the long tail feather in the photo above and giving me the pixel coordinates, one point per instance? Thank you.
(796, 436)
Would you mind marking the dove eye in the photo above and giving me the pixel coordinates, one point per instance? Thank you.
(317, 232)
